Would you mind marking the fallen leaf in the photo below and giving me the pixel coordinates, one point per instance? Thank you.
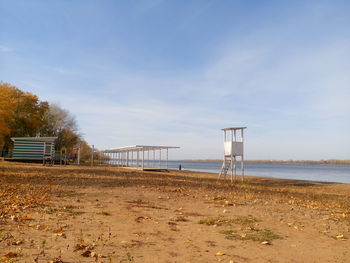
(56, 260)
(219, 253)
(16, 243)
(10, 255)
(60, 234)
(79, 247)
(86, 254)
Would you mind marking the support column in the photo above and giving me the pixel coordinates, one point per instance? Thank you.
(92, 156)
(167, 150)
(132, 158)
(225, 154)
(160, 158)
(79, 155)
(154, 158)
(148, 158)
(242, 164)
(233, 166)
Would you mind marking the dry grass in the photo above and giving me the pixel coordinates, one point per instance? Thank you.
(181, 219)
(104, 213)
(223, 221)
(253, 234)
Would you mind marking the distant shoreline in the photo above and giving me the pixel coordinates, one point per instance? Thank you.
(329, 161)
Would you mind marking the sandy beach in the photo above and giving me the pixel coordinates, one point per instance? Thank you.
(109, 214)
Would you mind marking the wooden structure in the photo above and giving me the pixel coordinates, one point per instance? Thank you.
(34, 149)
(145, 157)
(233, 148)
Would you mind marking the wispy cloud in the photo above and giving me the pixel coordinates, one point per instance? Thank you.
(168, 73)
(5, 49)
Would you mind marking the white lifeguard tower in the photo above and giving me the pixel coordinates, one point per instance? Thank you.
(233, 148)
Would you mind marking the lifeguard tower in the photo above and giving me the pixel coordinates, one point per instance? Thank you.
(233, 148)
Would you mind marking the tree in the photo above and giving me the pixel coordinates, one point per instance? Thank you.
(21, 114)
(60, 123)
(5, 110)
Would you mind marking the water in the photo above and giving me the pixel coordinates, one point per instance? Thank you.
(314, 172)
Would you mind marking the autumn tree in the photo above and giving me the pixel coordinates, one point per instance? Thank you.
(21, 114)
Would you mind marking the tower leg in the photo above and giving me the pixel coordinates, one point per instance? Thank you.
(231, 166)
(235, 168)
(242, 167)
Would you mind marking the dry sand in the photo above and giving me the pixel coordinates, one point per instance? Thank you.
(98, 214)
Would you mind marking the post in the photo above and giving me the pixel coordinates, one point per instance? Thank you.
(225, 153)
(143, 159)
(167, 158)
(127, 158)
(154, 158)
(242, 167)
(160, 158)
(148, 158)
(233, 166)
(78, 157)
(92, 155)
(242, 157)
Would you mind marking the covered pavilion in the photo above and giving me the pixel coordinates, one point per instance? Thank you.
(145, 157)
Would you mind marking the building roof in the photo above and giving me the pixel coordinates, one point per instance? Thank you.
(139, 148)
(46, 139)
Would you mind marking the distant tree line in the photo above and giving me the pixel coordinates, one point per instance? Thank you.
(22, 114)
(328, 161)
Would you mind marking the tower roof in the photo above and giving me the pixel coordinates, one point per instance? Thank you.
(233, 128)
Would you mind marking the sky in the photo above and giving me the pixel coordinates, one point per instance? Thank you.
(175, 72)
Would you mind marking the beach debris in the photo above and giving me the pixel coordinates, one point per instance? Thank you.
(220, 253)
(18, 242)
(56, 260)
(341, 237)
(140, 218)
(87, 253)
(9, 255)
(265, 243)
(60, 234)
(79, 247)
(227, 203)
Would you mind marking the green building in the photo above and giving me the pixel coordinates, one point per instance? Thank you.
(33, 148)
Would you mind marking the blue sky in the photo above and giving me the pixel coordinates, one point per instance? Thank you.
(176, 72)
